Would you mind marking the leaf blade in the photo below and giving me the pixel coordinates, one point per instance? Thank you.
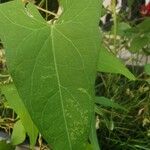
(17, 105)
(18, 134)
(110, 64)
(56, 70)
(108, 103)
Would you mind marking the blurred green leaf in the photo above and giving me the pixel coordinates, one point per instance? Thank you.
(18, 134)
(15, 102)
(148, 80)
(103, 101)
(89, 147)
(144, 26)
(130, 2)
(138, 43)
(122, 27)
(147, 69)
(6, 146)
(111, 64)
(141, 147)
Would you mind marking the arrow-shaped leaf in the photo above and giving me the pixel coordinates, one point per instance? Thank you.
(53, 67)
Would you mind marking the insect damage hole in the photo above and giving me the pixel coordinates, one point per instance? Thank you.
(49, 9)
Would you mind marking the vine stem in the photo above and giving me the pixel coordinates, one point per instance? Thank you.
(4, 76)
(46, 11)
(115, 22)
(39, 8)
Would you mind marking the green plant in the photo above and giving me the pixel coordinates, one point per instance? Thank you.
(119, 129)
(53, 65)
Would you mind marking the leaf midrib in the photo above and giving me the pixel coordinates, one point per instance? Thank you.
(59, 84)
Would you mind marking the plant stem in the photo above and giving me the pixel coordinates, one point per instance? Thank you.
(115, 22)
(46, 11)
(4, 76)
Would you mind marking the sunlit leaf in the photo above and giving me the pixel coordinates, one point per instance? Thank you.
(111, 64)
(15, 102)
(18, 134)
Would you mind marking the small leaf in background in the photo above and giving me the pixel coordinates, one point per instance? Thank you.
(6, 146)
(111, 64)
(103, 101)
(18, 134)
(16, 103)
(148, 80)
(139, 147)
(147, 69)
(122, 27)
(138, 43)
(5, 141)
(144, 26)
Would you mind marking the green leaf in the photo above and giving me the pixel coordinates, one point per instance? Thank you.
(144, 26)
(147, 69)
(141, 147)
(148, 80)
(89, 147)
(18, 134)
(54, 66)
(111, 64)
(15, 102)
(108, 103)
(6, 146)
(121, 28)
(138, 43)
